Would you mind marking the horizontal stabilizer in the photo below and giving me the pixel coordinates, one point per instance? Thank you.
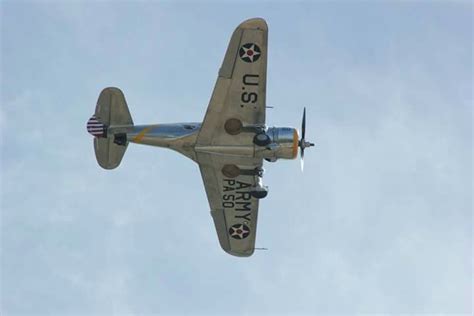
(108, 154)
(111, 110)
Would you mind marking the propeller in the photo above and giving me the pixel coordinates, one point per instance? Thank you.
(303, 143)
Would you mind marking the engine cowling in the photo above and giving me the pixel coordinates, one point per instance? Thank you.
(284, 143)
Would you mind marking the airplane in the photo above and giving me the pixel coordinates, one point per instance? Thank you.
(229, 145)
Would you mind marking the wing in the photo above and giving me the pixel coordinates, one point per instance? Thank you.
(240, 89)
(233, 209)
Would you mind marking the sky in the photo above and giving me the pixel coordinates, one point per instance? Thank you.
(379, 222)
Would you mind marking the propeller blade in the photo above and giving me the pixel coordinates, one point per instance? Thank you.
(303, 125)
(302, 142)
(302, 160)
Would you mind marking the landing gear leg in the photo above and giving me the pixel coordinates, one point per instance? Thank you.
(259, 191)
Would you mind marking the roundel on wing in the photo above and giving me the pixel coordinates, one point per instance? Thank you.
(250, 52)
(239, 231)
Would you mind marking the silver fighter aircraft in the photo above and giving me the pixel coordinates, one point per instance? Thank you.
(229, 145)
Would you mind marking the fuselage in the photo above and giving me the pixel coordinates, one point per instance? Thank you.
(182, 137)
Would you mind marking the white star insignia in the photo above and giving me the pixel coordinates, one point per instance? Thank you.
(250, 52)
(239, 231)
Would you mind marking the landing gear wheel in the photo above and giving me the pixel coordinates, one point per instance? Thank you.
(262, 139)
(260, 194)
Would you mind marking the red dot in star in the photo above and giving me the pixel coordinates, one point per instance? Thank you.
(250, 52)
(239, 231)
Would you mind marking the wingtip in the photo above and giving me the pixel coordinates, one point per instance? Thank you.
(240, 254)
(254, 23)
(227, 248)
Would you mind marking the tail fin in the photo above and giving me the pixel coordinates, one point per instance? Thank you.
(111, 110)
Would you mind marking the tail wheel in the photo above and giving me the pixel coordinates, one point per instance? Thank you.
(120, 139)
(262, 139)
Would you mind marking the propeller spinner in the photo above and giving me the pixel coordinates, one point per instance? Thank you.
(303, 143)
